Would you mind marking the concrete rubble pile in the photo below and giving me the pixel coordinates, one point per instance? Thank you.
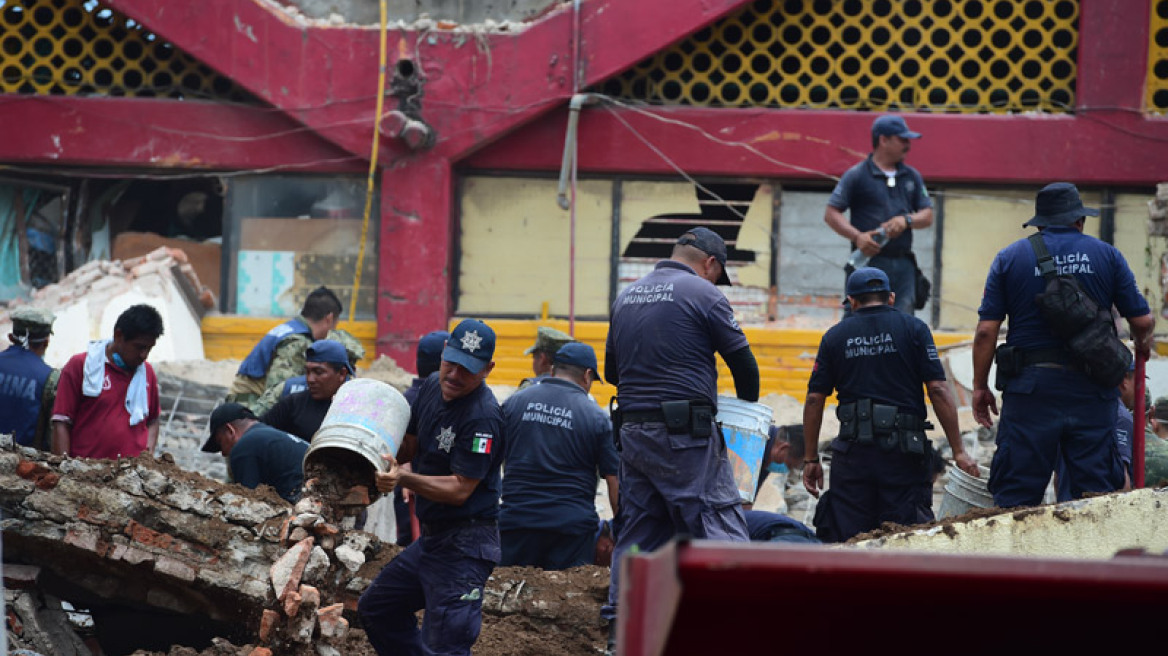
(88, 301)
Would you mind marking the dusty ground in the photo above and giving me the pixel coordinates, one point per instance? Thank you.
(565, 620)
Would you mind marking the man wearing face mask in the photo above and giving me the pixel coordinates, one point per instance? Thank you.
(302, 413)
(257, 454)
(107, 399)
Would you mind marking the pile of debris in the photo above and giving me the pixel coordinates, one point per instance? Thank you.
(88, 301)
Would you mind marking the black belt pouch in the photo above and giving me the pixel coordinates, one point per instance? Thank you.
(701, 420)
(676, 416)
(884, 426)
(864, 433)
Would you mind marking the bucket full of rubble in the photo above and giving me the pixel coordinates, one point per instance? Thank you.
(367, 419)
(744, 427)
(964, 493)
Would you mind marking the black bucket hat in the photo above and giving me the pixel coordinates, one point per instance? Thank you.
(1058, 204)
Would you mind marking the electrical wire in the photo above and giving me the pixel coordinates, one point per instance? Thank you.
(372, 178)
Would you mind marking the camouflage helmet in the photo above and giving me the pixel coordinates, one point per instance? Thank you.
(352, 345)
(549, 340)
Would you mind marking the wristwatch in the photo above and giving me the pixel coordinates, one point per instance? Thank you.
(907, 221)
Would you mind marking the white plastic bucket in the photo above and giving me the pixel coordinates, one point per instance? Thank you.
(744, 427)
(964, 493)
(368, 418)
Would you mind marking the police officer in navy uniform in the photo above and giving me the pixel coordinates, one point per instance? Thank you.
(1049, 406)
(427, 359)
(876, 361)
(675, 475)
(559, 442)
(24, 374)
(455, 442)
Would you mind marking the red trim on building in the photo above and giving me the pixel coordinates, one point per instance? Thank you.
(170, 134)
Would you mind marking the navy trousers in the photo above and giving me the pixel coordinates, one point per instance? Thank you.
(1047, 411)
(670, 485)
(444, 574)
(870, 486)
(547, 549)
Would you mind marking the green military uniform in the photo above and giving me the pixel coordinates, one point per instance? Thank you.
(547, 340)
(289, 360)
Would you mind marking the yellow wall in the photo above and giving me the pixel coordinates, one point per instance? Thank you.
(514, 253)
(1141, 251)
(785, 356)
(230, 337)
(978, 224)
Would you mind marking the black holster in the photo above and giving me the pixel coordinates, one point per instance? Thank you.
(617, 417)
(1008, 361)
(688, 418)
(865, 422)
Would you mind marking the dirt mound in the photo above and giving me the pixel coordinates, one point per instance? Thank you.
(386, 369)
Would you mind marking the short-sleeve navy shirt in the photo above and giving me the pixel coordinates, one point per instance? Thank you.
(267, 456)
(864, 190)
(559, 442)
(878, 353)
(664, 331)
(1014, 281)
(464, 437)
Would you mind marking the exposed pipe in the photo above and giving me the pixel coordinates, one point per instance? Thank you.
(1141, 420)
(566, 194)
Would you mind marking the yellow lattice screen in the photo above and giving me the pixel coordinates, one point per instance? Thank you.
(1157, 84)
(920, 55)
(82, 47)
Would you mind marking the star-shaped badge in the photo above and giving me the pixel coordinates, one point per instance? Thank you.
(471, 341)
(446, 439)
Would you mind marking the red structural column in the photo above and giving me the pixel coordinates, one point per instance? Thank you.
(413, 288)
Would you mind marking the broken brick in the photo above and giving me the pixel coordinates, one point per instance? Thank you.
(268, 623)
(30, 470)
(286, 571)
(297, 535)
(292, 603)
(324, 528)
(331, 622)
(260, 651)
(358, 496)
(47, 481)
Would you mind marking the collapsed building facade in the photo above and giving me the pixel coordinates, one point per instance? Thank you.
(245, 130)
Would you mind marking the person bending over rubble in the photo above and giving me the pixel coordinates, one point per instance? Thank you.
(28, 386)
(273, 394)
(455, 442)
(559, 443)
(877, 361)
(1049, 404)
(279, 355)
(107, 398)
(302, 413)
(257, 454)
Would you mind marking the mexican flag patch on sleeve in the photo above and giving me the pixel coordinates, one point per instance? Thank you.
(481, 443)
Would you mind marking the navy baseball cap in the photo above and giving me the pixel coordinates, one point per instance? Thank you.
(471, 344)
(429, 355)
(710, 243)
(1058, 203)
(891, 125)
(578, 354)
(220, 417)
(330, 351)
(866, 280)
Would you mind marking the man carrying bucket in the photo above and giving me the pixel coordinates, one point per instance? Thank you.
(876, 361)
(675, 474)
(455, 442)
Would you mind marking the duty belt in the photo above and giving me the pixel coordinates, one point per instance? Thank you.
(643, 416)
(435, 528)
(1044, 356)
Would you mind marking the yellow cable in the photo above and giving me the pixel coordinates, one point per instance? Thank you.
(382, 65)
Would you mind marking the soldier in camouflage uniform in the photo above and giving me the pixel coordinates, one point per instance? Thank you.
(280, 354)
(547, 342)
(28, 386)
(299, 383)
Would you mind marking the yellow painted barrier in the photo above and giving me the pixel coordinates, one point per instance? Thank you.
(785, 355)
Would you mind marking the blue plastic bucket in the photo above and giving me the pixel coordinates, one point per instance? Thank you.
(744, 427)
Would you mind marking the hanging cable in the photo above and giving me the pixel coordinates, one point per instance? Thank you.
(382, 65)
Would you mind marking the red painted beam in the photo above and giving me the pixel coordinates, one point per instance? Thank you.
(147, 132)
(731, 598)
(1116, 149)
(1113, 54)
(476, 88)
